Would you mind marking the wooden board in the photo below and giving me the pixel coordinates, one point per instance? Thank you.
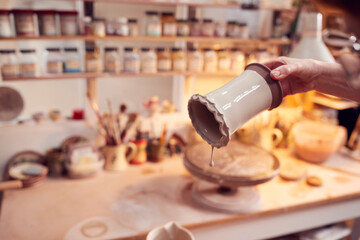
(121, 205)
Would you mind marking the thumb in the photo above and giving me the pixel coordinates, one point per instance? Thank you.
(283, 71)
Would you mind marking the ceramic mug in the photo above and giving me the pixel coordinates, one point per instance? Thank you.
(270, 138)
(116, 158)
(170, 230)
(220, 113)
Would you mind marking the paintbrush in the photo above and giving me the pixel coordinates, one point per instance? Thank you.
(95, 107)
(163, 134)
(112, 123)
(130, 122)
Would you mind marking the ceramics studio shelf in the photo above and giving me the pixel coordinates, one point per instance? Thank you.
(272, 41)
(119, 75)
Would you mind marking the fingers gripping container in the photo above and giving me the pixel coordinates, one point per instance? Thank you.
(218, 114)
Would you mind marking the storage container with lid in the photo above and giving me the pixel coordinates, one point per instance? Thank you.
(28, 63)
(148, 60)
(168, 24)
(133, 27)
(5, 25)
(195, 60)
(178, 59)
(112, 60)
(220, 29)
(232, 29)
(54, 60)
(93, 61)
(98, 27)
(195, 27)
(210, 60)
(24, 22)
(153, 24)
(224, 60)
(208, 28)
(182, 27)
(164, 60)
(68, 23)
(9, 63)
(122, 28)
(72, 60)
(47, 22)
(237, 60)
(243, 30)
(131, 60)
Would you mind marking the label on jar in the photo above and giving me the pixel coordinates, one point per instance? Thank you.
(169, 28)
(112, 66)
(164, 65)
(131, 65)
(179, 65)
(93, 65)
(49, 27)
(5, 29)
(28, 69)
(224, 63)
(195, 64)
(183, 30)
(153, 29)
(54, 67)
(72, 65)
(25, 25)
(148, 66)
(10, 70)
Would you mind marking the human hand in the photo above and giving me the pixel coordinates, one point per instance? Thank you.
(295, 75)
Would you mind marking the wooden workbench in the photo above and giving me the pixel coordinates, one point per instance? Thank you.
(128, 204)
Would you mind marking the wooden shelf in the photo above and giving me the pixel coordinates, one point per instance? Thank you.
(119, 75)
(274, 41)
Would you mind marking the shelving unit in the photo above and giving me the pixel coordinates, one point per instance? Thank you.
(271, 41)
(118, 75)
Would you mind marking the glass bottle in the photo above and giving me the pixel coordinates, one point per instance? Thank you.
(28, 63)
(9, 63)
(148, 62)
(112, 60)
(237, 60)
(93, 61)
(99, 27)
(208, 28)
(131, 60)
(168, 24)
(54, 60)
(178, 59)
(122, 28)
(133, 27)
(72, 60)
(195, 60)
(224, 60)
(210, 60)
(153, 24)
(183, 27)
(195, 27)
(164, 60)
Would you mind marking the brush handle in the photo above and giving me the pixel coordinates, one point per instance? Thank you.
(13, 184)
